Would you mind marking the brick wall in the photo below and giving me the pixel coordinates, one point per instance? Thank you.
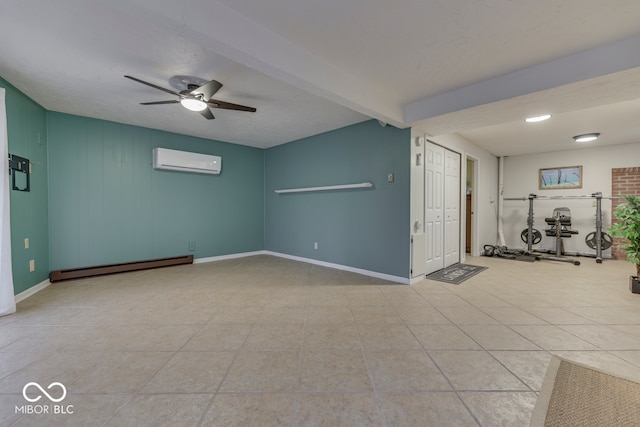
(624, 181)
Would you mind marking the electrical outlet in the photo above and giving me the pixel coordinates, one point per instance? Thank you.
(390, 177)
(32, 265)
(192, 245)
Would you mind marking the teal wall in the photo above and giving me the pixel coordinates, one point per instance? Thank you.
(363, 228)
(26, 129)
(95, 198)
(108, 205)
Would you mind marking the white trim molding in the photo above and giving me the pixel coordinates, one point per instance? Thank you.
(230, 256)
(397, 279)
(32, 290)
(369, 273)
(417, 279)
(391, 278)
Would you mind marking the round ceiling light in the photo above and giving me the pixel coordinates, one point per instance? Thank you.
(536, 119)
(193, 104)
(587, 137)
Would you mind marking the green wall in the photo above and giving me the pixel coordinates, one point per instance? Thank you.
(108, 205)
(26, 128)
(95, 198)
(363, 228)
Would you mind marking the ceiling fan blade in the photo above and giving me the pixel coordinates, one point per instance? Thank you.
(160, 102)
(208, 89)
(153, 86)
(230, 106)
(207, 114)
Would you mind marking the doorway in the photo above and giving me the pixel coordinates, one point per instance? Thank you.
(470, 198)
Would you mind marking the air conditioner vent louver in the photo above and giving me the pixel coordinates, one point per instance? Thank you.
(185, 161)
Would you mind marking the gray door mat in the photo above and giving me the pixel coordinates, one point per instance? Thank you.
(456, 273)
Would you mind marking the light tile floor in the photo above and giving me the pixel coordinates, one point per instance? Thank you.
(264, 341)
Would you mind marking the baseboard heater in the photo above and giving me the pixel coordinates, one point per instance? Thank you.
(77, 273)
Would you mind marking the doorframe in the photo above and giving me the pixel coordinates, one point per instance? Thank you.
(474, 205)
(461, 196)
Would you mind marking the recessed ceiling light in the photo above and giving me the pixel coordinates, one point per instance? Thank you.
(587, 137)
(538, 118)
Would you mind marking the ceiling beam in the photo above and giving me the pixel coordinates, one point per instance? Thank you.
(226, 32)
(611, 58)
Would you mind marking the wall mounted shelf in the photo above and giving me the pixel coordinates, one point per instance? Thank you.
(325, 188)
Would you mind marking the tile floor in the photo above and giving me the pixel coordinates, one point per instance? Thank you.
(264, 341)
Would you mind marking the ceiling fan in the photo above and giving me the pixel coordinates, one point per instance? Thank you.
(197, 98)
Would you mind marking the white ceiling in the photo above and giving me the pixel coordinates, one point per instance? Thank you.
(441, 66)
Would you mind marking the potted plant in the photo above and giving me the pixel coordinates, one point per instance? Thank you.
(628, 227)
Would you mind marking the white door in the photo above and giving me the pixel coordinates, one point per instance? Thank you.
(434, 207)
(451, 208)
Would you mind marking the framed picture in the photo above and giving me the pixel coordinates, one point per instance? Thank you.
(557, 178)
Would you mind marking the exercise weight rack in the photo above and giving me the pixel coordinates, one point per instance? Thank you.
(599, 234)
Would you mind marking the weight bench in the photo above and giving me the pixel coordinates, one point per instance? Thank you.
(560, 228)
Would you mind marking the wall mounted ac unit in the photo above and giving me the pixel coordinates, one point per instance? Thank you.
(185, 161)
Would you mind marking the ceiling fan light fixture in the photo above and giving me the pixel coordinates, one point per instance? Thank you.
(196, 98)
(586, 137)
(536, 119)
(193, 104)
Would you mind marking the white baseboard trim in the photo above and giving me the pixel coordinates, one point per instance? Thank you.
(369, 273)
(230, 256)
(32, 290)
(397, 279)
(45, 283)
(416, 279)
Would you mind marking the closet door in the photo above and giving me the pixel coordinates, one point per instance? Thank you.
(434, 207)
(451, 208)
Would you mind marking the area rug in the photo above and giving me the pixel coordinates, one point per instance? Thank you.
(456, 273)
(573, 394)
